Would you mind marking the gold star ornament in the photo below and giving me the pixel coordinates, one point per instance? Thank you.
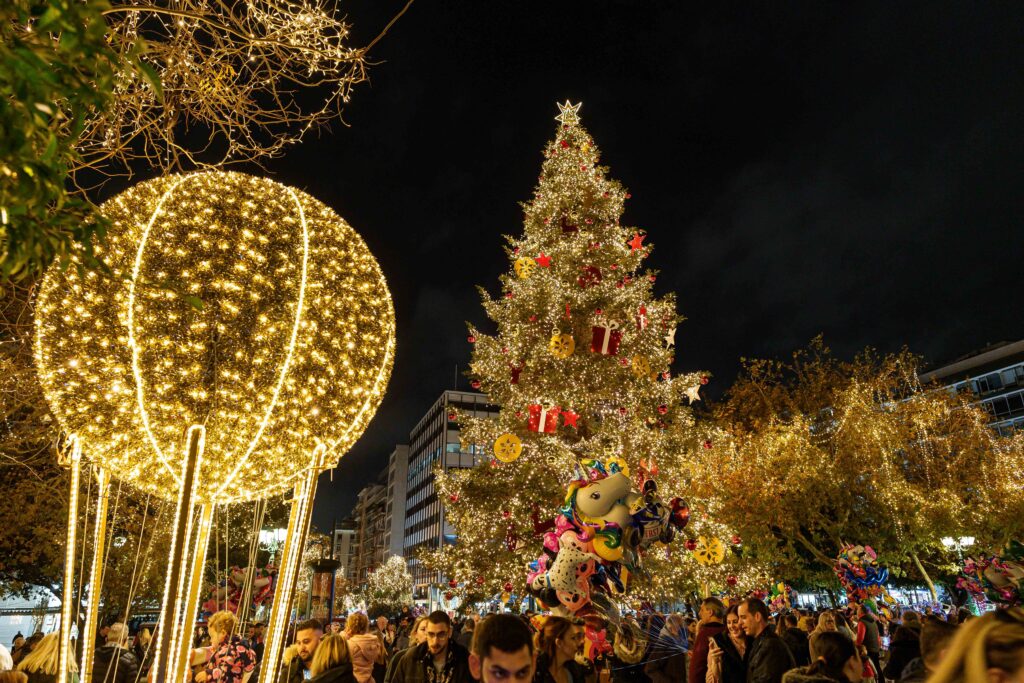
(570, 113)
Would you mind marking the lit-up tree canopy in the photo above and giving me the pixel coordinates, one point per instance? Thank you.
(236, 303)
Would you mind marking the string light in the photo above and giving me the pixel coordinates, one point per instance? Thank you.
(70, 544)
(235, 303)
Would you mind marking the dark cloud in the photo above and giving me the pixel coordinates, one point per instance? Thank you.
(851, 169)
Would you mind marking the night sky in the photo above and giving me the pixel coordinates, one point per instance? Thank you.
(852, 169)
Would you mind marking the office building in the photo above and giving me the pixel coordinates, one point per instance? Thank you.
(345, 544)
(995, 375)
(370, 524)
(394, 510)
(433, 441)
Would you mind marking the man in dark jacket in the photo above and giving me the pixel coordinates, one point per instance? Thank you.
(796, 640)
(307, 640)
(767, 658)
(114, 663)
(438, 660)
(868, 636)
(712, 622)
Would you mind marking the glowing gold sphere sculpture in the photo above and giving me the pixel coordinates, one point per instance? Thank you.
(236, 303)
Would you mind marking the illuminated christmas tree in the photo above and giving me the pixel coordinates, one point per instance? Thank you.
(579, 362)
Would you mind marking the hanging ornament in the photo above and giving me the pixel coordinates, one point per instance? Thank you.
(731, 580)
(707, 445)
(452, 583)
(606, 338)
(641, 366)
(736, 540)
(508, 447)
(662, 409)
(704, 379)
(544, 261)
(691, 544)
(471, 339)
(449, 596)
(480, 580)
(590, 276)
(637, 242)
(452, 415)
(561, 345)
(475, 384)
(454, 498)
(524, 267)
(543, 417)
(506, 513)
(693, 393)
(508, 586)
(570, 418)
(709, 551)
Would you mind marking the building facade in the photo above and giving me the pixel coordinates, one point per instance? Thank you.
(370, 526)
(995, 375)
(435, 441)
(394, 510)
(345, 544)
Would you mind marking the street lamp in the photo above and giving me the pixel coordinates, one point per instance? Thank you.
(958, 544)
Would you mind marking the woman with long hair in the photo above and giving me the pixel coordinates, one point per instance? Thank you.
(231, 661)
(727, 651)
(837, 662)
(988, 649)
(40, 665)
(364, 649)
(556, 643)
(826, 624)
(331, 661)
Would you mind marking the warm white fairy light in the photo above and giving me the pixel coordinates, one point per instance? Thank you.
(95, 572)
(237, 303)
(66, 611)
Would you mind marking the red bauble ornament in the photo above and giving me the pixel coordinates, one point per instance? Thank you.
(452, 415)
(504, 349)
(506, 514)
(564, 144)
(619, 284)
(454, 498)
(704, 379)
(516, 250)
(509, 295)
(662, 409)
(479, 580)
(652, 278)
(471, 339)
(691, 544)
(475, 384)
(508, 586)
(736, 540)
(453, 584)
(614, 266)
(598, 312)
(623, 411)
(533, 318)
(707, 445)
(623, 361)
(731, 580)
(666, 375)
(629, 196)
(449, 596)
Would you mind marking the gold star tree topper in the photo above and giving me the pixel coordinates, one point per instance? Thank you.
(569, 113)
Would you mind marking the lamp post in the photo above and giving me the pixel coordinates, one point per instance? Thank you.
(958, 544)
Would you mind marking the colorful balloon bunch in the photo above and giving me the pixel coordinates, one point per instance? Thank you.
(862, 576)
(998, 579)
(227, 594)
(780, 597)
(598, 539)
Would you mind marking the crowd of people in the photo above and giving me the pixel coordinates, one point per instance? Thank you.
(741, 643)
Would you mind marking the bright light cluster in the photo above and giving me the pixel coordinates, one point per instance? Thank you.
(236, 303)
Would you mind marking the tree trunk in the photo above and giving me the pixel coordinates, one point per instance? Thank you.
(924, 575)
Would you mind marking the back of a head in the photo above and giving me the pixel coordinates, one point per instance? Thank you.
(223, 621)
(357, 623)
(44, 656)
(789, 620)
(834, 649)
(504, 632)
(994, 641)
(911, 619)
(936, 635)
(332, 652)
(117, 634)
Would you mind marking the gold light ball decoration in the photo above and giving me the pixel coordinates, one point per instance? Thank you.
(236, 303)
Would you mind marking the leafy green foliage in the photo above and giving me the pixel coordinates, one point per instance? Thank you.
(56, 67)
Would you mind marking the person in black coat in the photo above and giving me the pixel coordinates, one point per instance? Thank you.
(768, 658)
(113, 663)
(796, 640)
(331, 663)
(905, 647)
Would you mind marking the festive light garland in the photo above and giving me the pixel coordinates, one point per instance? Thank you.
(236, 303)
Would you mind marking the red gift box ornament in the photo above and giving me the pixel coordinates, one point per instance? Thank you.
(606, 338)
(641, 318)
(543, 417)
